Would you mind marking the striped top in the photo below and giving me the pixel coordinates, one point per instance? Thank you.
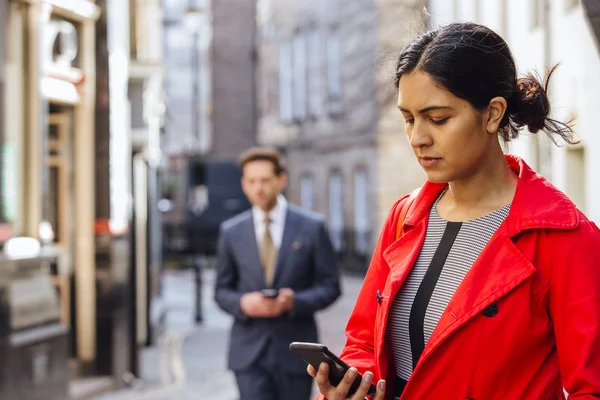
(472, 237)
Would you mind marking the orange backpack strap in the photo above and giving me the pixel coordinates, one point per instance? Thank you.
(403, 212)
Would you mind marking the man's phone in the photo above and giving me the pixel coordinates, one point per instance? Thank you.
(316, 353)
(270, 293)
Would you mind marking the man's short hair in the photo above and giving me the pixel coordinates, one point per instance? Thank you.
(266, 153)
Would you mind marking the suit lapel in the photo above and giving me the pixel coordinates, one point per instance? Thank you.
(500, 268)
(290, 230)
(249, 249)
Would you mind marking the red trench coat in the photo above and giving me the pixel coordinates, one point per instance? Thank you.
(540, 270)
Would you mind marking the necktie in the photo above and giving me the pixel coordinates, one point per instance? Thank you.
(268, 254)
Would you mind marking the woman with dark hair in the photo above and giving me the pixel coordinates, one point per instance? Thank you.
(485, 282)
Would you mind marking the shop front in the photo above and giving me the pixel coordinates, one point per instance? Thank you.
(67, 87)
(47, 97)
(33, 337)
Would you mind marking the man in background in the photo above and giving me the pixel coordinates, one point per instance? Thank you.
(275, 268)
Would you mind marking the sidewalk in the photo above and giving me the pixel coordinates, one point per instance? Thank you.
(190, 362)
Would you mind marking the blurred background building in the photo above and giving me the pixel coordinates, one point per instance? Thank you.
(326, 97)
(542, 33)
(314, 79)
(210, 119)
(81, 111)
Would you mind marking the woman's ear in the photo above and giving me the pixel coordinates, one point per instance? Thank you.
(495, 113)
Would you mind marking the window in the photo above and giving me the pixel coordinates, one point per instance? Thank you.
(264, 17)
(306, 192)
(315, 101)
(285, 83)
(334, 74)
(537, 12)
(299, 80)
(576, 175)
(361, 212)
(267, 91)
(4, 193)
(58, 201)
(336, 211)
(570, 4)
(12, 87)
(477, 11)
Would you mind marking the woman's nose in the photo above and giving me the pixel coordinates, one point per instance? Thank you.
(419, 136)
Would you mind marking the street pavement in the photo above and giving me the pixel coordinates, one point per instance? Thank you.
(189, 361)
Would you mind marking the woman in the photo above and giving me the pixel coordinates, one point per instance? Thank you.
(485, 283)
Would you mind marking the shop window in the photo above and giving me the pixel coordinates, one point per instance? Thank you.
(12, 66)
(7, 170)
(4, 226)
(58, 162)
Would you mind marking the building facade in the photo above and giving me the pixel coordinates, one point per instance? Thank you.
(70, 83)
(187, 128)
(543, 33)
(47, 168)
(211, 118)
(147, 108)
(233, 66)
(399, 22)
(326, 97)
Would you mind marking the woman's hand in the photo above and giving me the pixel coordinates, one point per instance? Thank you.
(341, 391)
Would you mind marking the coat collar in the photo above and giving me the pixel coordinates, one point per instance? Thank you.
(537, 203)
(500, 267)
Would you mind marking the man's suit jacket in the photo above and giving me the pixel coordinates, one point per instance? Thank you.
(306, 263)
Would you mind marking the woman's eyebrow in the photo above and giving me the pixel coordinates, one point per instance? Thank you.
(427, 109)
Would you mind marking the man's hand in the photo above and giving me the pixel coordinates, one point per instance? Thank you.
(286, 299)
(256, 305)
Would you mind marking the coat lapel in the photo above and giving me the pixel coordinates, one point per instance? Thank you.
(401, 258)
(500, 268)
(289, 232)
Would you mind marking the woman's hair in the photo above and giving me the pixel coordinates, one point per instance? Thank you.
(474, 63)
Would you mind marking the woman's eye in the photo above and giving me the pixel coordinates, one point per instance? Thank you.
(439, 121)
(409, 120)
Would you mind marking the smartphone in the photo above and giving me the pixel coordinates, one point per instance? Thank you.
(270, 293)
(316, 353)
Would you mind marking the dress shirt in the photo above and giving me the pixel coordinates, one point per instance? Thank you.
(277, 216)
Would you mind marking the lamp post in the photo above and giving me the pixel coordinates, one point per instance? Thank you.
(194, 23)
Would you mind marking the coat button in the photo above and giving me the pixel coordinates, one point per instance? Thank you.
(490, 310)
(378, 296)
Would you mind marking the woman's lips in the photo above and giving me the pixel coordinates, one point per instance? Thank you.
(429, 162)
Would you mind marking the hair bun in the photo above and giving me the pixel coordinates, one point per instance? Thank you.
(531, 106)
